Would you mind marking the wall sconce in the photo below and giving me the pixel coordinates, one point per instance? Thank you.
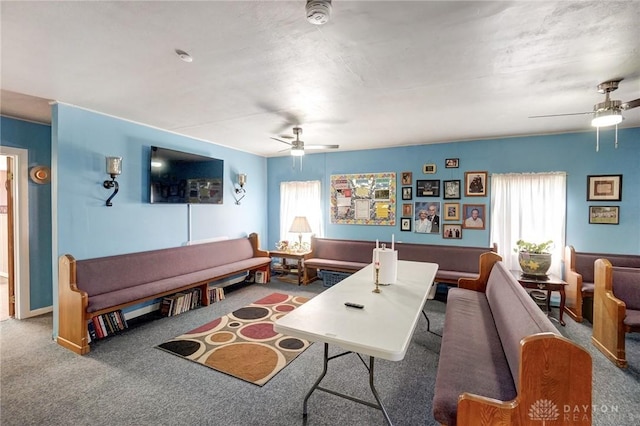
(242, 180)
(114, 168)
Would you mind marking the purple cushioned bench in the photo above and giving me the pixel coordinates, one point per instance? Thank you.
(454, 262)
(91, 287)
(500, 353)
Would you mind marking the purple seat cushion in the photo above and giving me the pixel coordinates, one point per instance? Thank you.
(150, 289)
(332, 264)
(632, 319)
(626, 286)
(113, 273)
(515, 313)
(585, 263)
(471, 356)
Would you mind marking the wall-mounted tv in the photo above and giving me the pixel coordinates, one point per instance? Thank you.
(177, 177)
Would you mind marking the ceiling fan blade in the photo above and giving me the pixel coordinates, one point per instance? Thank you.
(321, 146)
(276, 139)
(631, 104)
(560, 115)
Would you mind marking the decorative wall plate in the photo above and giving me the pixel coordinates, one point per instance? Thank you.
(40, 174)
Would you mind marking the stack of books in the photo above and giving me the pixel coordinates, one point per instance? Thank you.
(106, 325)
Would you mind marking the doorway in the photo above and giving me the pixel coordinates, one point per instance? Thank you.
(14, 231)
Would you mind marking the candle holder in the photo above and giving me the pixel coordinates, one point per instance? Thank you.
(377, 289)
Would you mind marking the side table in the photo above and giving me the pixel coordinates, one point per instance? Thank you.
(549, 283)
(296, 267)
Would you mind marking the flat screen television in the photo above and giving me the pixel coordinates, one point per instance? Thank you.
(177, 177)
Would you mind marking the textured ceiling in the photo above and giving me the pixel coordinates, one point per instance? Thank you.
(379, 74)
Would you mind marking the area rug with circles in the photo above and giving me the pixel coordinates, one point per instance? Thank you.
(243, 343)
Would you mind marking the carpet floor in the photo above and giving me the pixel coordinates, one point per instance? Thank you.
(243, 343)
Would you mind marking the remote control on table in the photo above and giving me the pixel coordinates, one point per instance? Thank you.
(354, 305)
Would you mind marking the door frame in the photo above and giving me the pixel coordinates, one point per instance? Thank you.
(21, 228)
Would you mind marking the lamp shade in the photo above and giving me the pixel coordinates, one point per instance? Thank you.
(300, 225)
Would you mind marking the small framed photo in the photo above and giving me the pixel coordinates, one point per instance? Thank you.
(604, 187)
(475, 184)
(451, 189)
(407, 192)
(429, 169)
(451, 211)
(405, 224)
(452, 231)
(452, 163)
(428, 188)
(407, 209)
(474, 216)
(407, 178)
(604, 215)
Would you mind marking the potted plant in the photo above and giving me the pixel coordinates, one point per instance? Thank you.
(534, 259)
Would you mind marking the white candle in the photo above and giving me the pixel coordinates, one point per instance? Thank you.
(376, 243)
(392, 240)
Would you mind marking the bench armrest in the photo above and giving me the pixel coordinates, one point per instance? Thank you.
(555, 373)
(72, 305)
(487, 260)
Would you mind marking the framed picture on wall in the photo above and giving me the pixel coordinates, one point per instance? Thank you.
(604, 187)
(451, 189)
(604, 215)
(452, 163)
(407, 192)
(405, 224)
(407, 178)
(428, 188)
(407, 209)
(474, 216)
(452, 231)
(451, 211)
(475, 184)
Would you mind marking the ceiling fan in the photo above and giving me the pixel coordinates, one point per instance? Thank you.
(606, 113)
(298, 146)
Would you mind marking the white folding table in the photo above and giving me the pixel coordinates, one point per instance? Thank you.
(382, 329)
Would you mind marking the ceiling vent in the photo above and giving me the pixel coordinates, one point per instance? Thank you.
(318, 11)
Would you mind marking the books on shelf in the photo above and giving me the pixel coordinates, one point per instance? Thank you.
(178, 303)
(216, 294)
(106, 325)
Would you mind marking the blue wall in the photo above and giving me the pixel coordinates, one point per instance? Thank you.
(572, 153)
(87, 228)
(78, 141)
(36, 139)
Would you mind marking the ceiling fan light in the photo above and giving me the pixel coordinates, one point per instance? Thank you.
(606, 118)
(297, 151)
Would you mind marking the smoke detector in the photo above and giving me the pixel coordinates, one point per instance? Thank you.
(318, 11)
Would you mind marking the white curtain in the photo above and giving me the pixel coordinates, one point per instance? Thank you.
(531, 207)
(300, 199)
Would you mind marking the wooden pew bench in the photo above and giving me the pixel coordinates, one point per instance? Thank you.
(454, 262)
(92, 287)
(580, 278)
(501, 358)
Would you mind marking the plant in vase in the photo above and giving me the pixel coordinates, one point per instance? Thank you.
(534, 259)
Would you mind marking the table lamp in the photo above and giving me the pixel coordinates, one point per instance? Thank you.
(300, 225)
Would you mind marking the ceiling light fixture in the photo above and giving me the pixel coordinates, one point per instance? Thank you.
(607, 117)
(318, 11)
(297, 150)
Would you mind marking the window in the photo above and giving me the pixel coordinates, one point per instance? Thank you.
(531, 207)
(300, 199)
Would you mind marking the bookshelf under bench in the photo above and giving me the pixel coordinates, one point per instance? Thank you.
(96, 288)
